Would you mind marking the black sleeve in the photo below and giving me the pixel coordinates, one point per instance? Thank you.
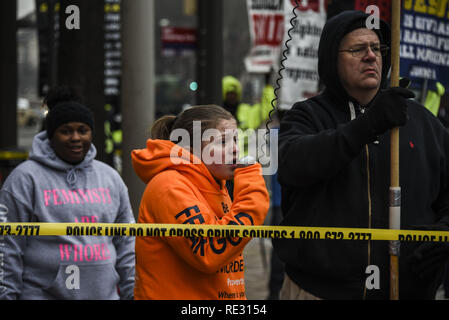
(441, 205)
(312, 149)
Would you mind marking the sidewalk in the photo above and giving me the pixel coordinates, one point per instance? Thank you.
(257, 255)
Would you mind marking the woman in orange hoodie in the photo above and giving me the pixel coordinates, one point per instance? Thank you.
(186, 185)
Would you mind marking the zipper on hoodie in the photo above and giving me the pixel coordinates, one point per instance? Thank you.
(369, 210)
(362, 109)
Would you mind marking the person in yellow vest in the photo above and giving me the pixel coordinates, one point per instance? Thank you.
(248, 116)
(232, 97)
(434, 97)
(262, 109)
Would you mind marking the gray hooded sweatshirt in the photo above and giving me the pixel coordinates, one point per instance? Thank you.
(47, 189)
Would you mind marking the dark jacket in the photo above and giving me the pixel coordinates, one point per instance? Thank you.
(335, 173)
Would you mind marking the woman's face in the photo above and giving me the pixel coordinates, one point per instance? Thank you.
(71, 141)
(220, 151)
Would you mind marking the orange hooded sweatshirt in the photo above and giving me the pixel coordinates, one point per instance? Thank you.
(180, 268)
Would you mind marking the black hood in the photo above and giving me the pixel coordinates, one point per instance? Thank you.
(333, 32)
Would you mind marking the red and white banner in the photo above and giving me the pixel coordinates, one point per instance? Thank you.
(300, 75)
(178, 40)
(266, 26)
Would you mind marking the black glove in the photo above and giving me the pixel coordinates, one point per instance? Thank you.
(389, 108)
(429, 257)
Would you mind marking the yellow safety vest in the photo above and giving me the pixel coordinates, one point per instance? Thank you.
(433, 99)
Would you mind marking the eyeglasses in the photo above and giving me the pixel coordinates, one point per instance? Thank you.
(361, 51)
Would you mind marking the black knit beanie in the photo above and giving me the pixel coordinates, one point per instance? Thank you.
(65, 112)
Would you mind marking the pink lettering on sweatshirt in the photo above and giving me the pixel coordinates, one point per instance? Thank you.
(84, 252)
(87, 219)
(59, 197)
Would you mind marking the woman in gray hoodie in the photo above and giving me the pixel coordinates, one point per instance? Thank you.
(62, 182)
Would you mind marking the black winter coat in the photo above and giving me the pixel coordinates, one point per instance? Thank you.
(334, 173)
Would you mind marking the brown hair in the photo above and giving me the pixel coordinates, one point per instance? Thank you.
(209, 115)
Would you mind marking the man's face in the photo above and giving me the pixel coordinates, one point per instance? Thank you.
(360, 75)
(71, 141)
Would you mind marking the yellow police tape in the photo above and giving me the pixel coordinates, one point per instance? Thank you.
(219, 231)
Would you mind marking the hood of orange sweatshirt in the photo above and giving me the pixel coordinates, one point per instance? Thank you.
(160, 155)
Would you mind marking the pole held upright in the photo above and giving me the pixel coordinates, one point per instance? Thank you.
(395, 189)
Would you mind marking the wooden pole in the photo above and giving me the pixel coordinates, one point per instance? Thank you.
(395, 189)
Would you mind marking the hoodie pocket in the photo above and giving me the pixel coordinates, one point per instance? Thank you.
(93, 281)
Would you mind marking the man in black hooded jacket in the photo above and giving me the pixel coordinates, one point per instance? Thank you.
(334, 169)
